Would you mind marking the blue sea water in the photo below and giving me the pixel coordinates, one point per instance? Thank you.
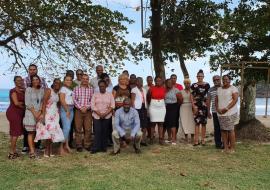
(4, 103)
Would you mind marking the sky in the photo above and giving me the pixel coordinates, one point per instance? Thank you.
(144, 68)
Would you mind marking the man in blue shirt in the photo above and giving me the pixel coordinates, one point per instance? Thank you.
(127, 128)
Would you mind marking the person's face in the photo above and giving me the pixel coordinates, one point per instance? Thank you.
(68, 81)
(173, 79)
(99, 70)
(57, 85)
(169, 84)
(149, 81)
(200, 77)
(85, 80)
(79, 75)
(132, 79)
(158, 81)
(187, 84)
(226, 81)
(32, 71)
(123, 81)
(126, 106)
(35, 82)
(216, 81)
(102, 87)
(139, 83)
(19, 82)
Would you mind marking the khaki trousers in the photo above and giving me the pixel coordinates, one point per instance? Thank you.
(116, 140)
(83, 128)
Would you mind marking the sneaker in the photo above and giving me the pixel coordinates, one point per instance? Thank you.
(168, 141)
(174, 143)
(25, 150)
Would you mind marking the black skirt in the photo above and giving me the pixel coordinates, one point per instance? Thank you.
(172, 115)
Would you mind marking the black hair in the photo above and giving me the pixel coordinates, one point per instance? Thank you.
(32, 65)
(200, 72)
(67, 76)
(55, 80)
(173, 75)
(149, 77)
(79, 70)
(104, 75)
(32, 77)
(158, 77)
(227, 76)
(102, 81)
(132, 75)
(15, 77)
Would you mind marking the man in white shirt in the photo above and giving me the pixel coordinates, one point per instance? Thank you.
(94, 81)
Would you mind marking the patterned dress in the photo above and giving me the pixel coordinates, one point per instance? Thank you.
(199, 93)
(51, 130)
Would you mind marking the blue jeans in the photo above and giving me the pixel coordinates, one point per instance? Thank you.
(66, 122)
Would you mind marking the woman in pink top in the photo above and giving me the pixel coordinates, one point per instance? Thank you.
(102, 105)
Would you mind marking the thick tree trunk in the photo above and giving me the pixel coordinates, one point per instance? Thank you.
(249, 127)
(155, 38)
(248, 108)
(183, 66)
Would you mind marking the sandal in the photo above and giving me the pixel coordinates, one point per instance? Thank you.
(12, 156)
(16, 154)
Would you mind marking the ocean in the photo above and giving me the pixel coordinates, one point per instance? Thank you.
(260, 103)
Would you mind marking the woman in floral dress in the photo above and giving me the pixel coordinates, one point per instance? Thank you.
(49, 129)
(199, 106)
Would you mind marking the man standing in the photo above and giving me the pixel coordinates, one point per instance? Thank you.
(79, 74)
(94, 81)
(149, 81)
(176, 85)
(82, 96)
(132, 81)
(212, 93)
(32, 71)
(127, 128)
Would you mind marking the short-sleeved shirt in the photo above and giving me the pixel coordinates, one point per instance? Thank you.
(157, 92)
(121, 94)
(212, 93)
(68, 95)
(170, 97)
(225, 98)
(179, 86)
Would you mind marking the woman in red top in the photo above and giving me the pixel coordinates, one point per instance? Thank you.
(157, 109)
(15, 114)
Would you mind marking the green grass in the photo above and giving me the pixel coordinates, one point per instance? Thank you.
(180, 167)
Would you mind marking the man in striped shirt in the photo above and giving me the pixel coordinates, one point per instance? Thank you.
(212, 93)
(82, 96)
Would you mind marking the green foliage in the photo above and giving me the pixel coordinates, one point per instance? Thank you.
(244, 36)
(58, 33)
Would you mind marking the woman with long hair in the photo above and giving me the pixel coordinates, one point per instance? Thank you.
(15, 114)
(199, 106)
(33, 113)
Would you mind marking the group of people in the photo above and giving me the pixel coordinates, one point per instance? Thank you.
(99, 114)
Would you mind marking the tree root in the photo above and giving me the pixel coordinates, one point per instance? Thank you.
(252, 130)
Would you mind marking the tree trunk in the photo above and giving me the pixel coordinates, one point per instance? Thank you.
(248, 108)
(155, 38)
(183, 66)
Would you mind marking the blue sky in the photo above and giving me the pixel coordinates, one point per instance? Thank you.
(128, 8)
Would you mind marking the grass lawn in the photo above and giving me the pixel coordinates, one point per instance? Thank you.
(179, 167)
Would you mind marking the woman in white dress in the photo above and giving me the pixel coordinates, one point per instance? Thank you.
(49, 129)
(186, 114)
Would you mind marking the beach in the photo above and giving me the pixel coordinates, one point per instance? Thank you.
(4, 126)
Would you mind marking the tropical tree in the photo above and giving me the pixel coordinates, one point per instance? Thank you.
(58, 33)
(245, 37)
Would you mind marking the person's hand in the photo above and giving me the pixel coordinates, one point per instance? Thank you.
(195, 110)
(224, 110)
(83, 109)
(209, 115)
(128, 139)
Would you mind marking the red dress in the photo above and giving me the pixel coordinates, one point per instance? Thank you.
(15, 114)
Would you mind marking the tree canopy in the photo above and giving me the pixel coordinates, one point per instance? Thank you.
(58, 33)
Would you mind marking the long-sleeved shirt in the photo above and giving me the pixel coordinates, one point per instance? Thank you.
(127, 121)
(82, 97)
(101, 103)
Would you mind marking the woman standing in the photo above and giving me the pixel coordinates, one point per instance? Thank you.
(102, 105)
(226, 106)
(15, 114)
(33, 102)
(66, 112)
(199, 106)
(121, 91)
(157, 109)
(186, 114)
(49, 129)
(173, 99)
(138, 100)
